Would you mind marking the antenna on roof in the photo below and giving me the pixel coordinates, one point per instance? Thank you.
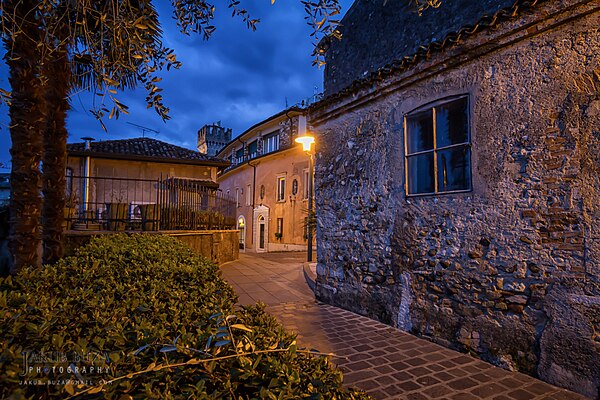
(144, 129)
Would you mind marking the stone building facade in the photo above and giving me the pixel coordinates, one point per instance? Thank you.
(212, 138)
(269, 180)
(458, 180)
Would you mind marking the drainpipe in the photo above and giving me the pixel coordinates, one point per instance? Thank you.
(253, 200)
(87, 173)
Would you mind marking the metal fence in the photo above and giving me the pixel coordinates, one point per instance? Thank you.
(117, 204)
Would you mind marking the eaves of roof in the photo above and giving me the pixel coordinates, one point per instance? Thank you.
(131, 157)
(293, 109)
(260, 158)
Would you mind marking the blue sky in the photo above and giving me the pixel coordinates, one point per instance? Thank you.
(238, 77)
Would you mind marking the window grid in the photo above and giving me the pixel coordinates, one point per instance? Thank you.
(435, 150)
(281, 189)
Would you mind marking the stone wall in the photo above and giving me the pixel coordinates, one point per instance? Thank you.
(510, 271)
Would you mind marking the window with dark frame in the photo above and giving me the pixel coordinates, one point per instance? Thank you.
(280, 226)
(239, 156)
(281, 188)
(305, 178)
(438, 148)
(271, 142)
(253, 150)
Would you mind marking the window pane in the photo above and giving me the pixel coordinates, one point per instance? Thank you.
(252, 149)
(420, 131)
(454, 169)
(420, 174)
(452, 123)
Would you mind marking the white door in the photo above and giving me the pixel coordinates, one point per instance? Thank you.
(261, 229)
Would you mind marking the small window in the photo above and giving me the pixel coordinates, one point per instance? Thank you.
(295, 187)
(271, 142)
(239, 156)
(281, 188)
(253, 149)
(237, 197)
(249, 195)
(438, 149)
(305, 184)
(262, 192)
(280, 226)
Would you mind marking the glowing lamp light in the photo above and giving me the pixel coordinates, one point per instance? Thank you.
(306, 141)
(241, 222)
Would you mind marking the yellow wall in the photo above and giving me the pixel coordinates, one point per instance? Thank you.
(130, 192)
(289, 163)
(141, 169)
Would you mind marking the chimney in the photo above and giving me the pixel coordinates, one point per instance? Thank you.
(88, 142)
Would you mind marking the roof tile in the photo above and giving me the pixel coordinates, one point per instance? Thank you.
(143, 147)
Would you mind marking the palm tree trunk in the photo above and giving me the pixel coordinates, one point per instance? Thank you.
(55, 153)
(27, 124)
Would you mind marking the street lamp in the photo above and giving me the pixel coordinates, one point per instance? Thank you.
(307, 141)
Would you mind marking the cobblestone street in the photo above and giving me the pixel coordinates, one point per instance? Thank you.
(384, 361)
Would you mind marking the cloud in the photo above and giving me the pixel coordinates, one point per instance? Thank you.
(238, 77)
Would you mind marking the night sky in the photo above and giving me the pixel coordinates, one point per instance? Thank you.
(238, 77)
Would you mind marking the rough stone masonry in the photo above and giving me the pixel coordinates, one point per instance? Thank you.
(510, 270)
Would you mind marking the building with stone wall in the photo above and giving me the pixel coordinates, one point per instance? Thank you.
(458, 179)
(269, 180)
(212, 138)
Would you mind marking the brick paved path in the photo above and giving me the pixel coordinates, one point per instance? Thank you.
(386, 362)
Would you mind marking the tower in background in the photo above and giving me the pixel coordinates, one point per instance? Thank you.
(212, 138)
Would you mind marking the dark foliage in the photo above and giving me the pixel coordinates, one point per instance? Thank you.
(155, 321)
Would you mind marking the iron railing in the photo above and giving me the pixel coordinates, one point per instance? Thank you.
(117, 204)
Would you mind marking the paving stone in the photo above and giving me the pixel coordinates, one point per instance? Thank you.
(427, 380)
(437, 391)
(416, 361)
(489, 390)
(419, 371)
(386, 362)
(384, 369)
(521, 394)
(462, 384)
(409, 386)
(464, 396)
(368, 385)
(385, 380)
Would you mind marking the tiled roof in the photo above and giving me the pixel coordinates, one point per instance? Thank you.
(145, 148)
(419, 51)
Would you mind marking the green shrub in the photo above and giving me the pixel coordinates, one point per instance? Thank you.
(141, 316)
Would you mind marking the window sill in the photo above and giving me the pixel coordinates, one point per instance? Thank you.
(436, 194)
